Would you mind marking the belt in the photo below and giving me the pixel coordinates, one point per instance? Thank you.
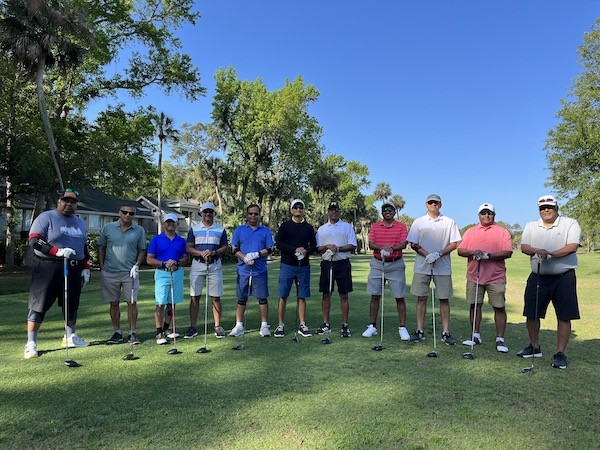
(388, 259)
(211, 259)
(70, 262)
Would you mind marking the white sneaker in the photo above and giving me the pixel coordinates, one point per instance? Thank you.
(475, 341)
(370, 331)
(264, 331)
(173, 335)
(74, 341)
(31, 350)
(501, 347)
(238, 330)
(403, 333)
(160, 339)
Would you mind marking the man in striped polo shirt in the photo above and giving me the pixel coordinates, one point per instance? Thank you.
(387, 239)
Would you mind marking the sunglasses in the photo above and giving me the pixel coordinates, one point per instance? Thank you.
(545, 207)
(432, 202)
(127, 213)
(487, 213)
(253, 214)
(297, 207)
(387, 210)
(209, 211)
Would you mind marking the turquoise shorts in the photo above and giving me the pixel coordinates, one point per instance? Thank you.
(162, 286)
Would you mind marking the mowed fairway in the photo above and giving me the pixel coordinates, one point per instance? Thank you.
(277, 394)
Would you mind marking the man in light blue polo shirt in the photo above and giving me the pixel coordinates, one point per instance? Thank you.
(252, 243)
(167, 253)
(121, 251)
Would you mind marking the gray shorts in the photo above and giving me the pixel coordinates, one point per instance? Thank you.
(394, 274)
(116, 286)
(198, 273)
(443, 285)
(496, 293)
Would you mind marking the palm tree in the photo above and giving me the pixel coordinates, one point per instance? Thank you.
(164, 132)
(38, 34)
(382, 191)
(399, 202)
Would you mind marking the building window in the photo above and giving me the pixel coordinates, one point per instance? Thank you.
(94, 222)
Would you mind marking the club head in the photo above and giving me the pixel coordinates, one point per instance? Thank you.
(202, 350)
(377, 348)
(71, 363)
(432, 354)
(326, 341)
(240, 346)
(469, 343)
(173, 351)
(295, 340)
(468, 355)
(527, 370)
(130, 357)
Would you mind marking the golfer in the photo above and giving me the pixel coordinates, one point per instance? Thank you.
(336, 240)
(206, 242)
(167, 253)
(121, 251)
(296, 241)
(387, 239)
(55, 235)
(433, 236)
(487, 245)
(552, 242)
(252, 243)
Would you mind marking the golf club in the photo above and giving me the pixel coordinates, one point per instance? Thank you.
(379, 347)
(241, 345)
(68, 362)
(295, 338)
(537, 296)
(204, 349)
(174, 350)
(469, 354)
(326, 340)
(433, 354)
(130, 356)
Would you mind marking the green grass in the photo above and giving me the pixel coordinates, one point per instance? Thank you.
(277, 394)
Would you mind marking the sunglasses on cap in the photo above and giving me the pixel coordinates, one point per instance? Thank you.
(545, 207)
(127, 213)
(487, 212)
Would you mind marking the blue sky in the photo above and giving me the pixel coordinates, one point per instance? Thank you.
(434, 96)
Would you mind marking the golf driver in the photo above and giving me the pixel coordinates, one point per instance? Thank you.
(433, 354)
(174, 350)
(469, 354)
(241, 345)
(326, 340)
(68, 362)
(537, 296)
(379, 347)
(130, 356)
(204, 349)
(295, 338)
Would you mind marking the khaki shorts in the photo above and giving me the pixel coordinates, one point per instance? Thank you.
(443, 285)
(496, 293)
(116, 286)
(198, 278)
(394, 274)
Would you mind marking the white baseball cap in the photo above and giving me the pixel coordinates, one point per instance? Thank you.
(295, 202)
(487, 206)
(170, 216)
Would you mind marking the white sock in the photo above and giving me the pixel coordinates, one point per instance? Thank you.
(264, 324)
(477, 335)
(499, 339)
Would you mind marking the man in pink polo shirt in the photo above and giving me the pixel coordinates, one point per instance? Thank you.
(387, 239)
(486, 246)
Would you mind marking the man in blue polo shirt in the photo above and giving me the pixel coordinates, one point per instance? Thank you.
(206, 243)
(252, 243)
(167, 253)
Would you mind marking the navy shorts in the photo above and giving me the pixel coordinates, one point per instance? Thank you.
(342, 276)
(259, 288)
(287, 275)
(561, 290)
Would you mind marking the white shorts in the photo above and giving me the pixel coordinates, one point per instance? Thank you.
(198, 273)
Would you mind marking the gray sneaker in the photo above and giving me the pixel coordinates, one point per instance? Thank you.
(220, 332)
(134, 339)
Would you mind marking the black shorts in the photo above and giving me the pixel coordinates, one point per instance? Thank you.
(48, 285)
(342, 276)
(560, 289)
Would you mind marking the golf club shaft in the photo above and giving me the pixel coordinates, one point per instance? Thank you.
(475, 305)
(206, 304)
(173, 311)
(433, 310)
(382, 297)
(66, 304)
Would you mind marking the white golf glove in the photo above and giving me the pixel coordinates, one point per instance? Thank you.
(328, 255)
(134, 272)
(432, 257)
(535, 257)
(384, 254)
(65, 252)
(250, 256)
(299, 256)
(85, 277)
(485, 256)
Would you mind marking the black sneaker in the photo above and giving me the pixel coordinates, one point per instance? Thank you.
(323, 329)
(530, 351)
(190, 333)
(304, 331)
(417, 336)
(346, 331)
(134, 339)
(115, 339)
(447, 338)
(279, 331)
(559, 361)
(220, 332)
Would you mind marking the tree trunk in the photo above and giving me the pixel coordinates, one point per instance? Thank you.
(9, 259)
(39, 79)
(160, 179)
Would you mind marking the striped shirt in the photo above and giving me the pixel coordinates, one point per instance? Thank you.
(210, 237)
(383, 235)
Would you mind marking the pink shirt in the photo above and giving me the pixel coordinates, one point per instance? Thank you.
(383, 235)
(492, 239)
